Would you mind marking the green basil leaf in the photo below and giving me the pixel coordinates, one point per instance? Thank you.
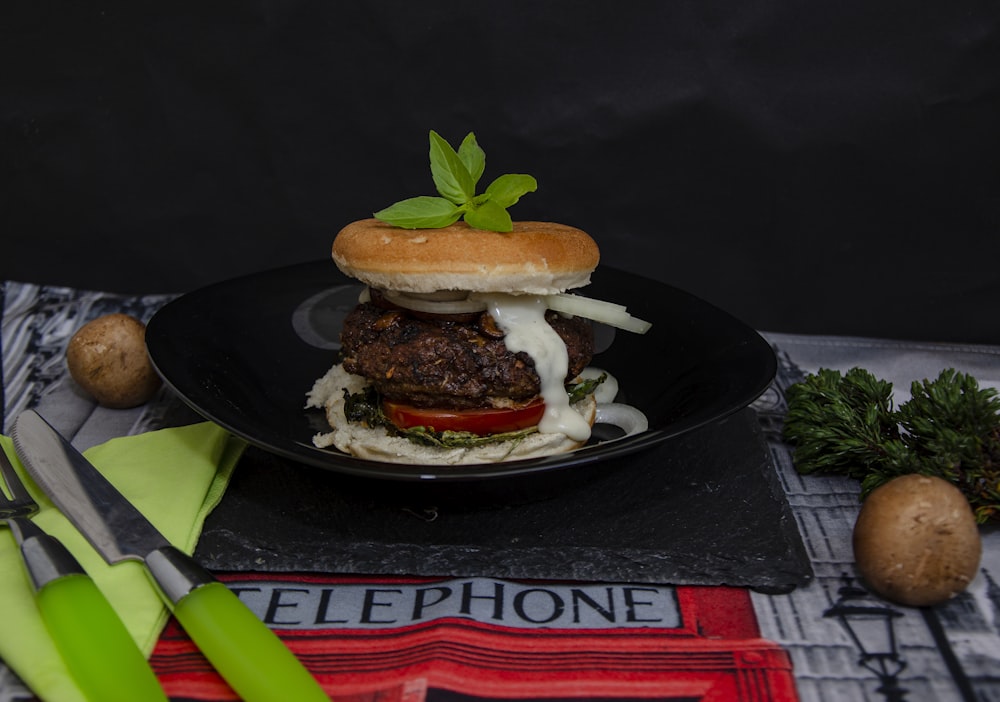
(451, 178)
(508, 189)
(579, 391)
(426, 436)
(490, 216)
(473, 157)
(456, 175)
(423, 212)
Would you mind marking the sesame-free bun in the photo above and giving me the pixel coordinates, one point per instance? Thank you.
(539, 258)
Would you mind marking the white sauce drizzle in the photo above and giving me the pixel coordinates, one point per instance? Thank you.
(522, 319)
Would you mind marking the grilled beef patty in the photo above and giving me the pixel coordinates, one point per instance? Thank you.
(455, 363)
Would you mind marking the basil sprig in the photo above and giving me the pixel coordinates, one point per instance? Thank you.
(456, 175)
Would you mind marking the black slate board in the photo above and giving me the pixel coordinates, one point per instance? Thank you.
(704, 509)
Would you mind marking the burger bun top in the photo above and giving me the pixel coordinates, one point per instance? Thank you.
(539, 258)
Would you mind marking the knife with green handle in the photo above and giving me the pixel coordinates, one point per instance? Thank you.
(248, 655)
(97, 649)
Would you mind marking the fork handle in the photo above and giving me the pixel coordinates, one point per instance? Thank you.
(98, 650)
(45, 558)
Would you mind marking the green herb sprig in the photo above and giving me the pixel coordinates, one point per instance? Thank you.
(579, 391)
(949, 428)
(456, 175)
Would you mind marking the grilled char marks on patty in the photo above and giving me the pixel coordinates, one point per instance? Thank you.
(448, 363)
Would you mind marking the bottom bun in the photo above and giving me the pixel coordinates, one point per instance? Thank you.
(376, 444)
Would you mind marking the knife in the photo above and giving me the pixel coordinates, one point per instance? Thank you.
(98, 650)
(248, 655)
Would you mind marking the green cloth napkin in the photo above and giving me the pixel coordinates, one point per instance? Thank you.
(173, 476)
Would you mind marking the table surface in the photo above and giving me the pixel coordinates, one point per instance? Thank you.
(951, 652)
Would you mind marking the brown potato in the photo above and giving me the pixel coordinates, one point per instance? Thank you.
(916, 541)
(107, 358)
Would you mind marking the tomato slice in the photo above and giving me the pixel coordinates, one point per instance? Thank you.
(477, 421)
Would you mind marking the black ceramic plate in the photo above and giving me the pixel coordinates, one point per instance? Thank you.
(245, 352)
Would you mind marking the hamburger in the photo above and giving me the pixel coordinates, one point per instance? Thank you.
(465, 346)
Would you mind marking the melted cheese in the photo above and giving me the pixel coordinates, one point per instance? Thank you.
(522, 319)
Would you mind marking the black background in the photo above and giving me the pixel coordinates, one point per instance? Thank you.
(809, 167)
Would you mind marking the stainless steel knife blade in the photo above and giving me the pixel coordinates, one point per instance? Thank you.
(114, 527)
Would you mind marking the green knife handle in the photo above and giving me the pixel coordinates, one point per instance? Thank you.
(248, 655)
(98, 650)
